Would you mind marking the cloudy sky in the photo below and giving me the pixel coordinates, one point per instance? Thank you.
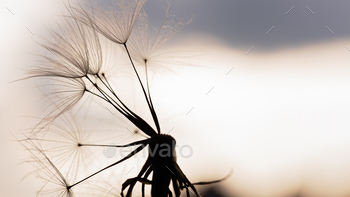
(242, 24)
(271, 95)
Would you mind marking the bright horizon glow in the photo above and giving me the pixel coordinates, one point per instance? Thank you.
(280, 119)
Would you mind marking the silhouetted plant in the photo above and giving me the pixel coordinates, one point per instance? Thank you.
(74, 73)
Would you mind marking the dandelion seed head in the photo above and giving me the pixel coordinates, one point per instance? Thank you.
(78, 65)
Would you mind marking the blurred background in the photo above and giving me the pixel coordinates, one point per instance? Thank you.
(269, 99)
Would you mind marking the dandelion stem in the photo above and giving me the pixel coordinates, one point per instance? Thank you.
(108, 85)
(150, 98)
(110, 145)
(134, 118)
(114, 94)
(93, 93)
(138, 149)
(149, 102)
(108, 98)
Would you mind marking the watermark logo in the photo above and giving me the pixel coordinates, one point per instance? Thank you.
(161, 150)
(110, 151)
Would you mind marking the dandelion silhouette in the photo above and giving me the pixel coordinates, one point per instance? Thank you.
(76, 70)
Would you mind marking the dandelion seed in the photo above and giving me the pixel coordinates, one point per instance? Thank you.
(76, 49)
(55, 183)
(61, 143)
(145, 45)
(62, 94)
(116, 23)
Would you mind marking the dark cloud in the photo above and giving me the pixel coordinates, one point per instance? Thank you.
(243, 24)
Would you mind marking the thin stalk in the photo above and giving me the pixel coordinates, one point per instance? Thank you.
(138, 149)
(154, 116)
(150, 98)
(107, 85)
(107, 98)
(134, 118)
(118, 146)
(93, 93)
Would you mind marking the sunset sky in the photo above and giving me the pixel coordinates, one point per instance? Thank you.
(269, 99)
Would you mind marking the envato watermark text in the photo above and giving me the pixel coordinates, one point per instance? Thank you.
(160, 150)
